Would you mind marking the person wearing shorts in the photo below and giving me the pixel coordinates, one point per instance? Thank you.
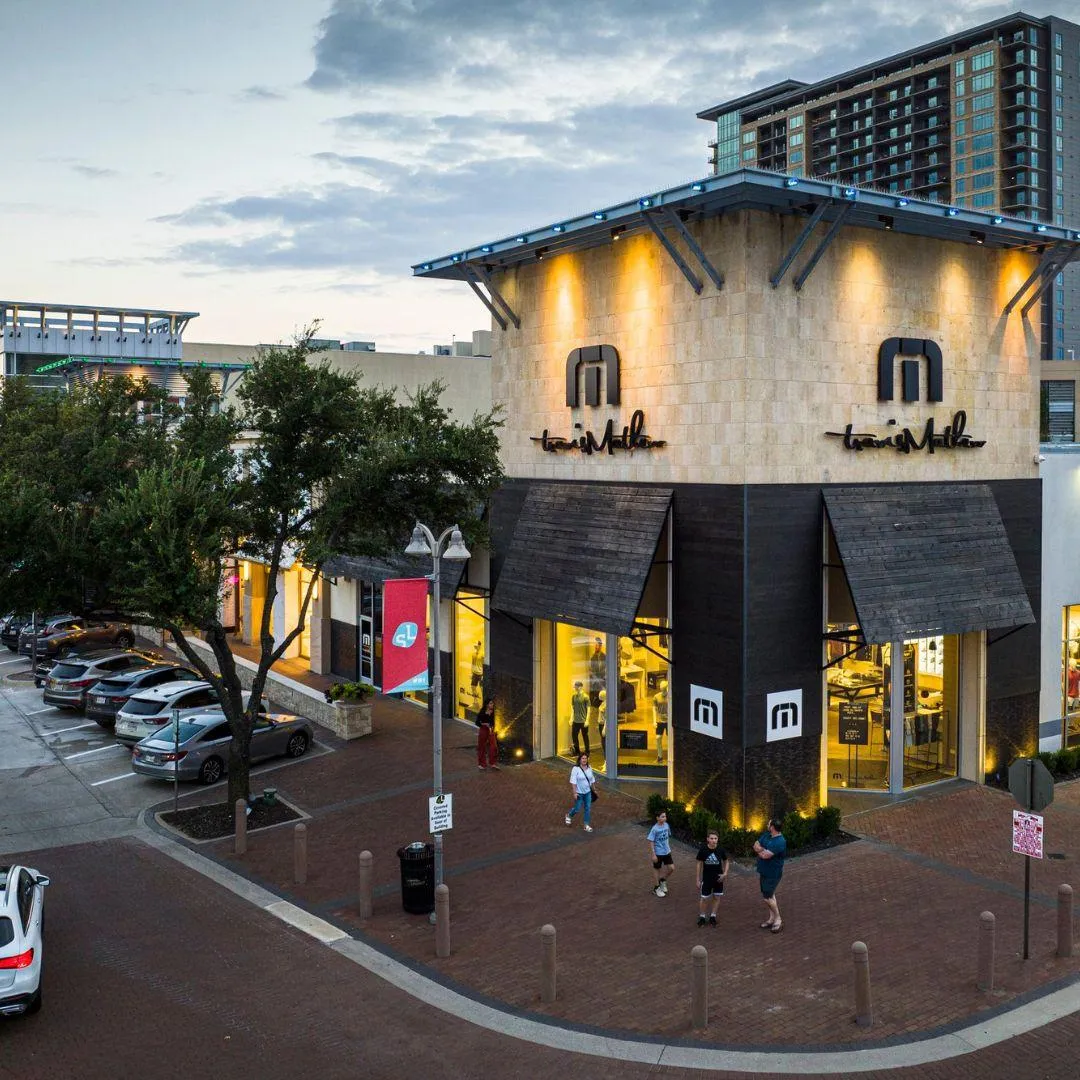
(771, 850)
(712, 864)
(660, 846)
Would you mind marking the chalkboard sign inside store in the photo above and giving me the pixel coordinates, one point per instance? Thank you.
(631, 739)
(854, 726)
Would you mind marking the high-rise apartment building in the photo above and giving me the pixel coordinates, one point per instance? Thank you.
(987, 119)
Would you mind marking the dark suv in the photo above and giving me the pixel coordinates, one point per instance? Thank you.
(112, 692)
(10, 627)
(68, 632)
(71, 678)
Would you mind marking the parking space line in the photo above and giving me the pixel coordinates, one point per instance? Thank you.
(19, 660)
(112, 779)
(97, 750)
(77, 727)
(37, 712)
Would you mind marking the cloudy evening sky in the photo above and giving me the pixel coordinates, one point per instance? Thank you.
(264, 162)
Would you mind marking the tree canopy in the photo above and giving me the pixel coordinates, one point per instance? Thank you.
(118, 501)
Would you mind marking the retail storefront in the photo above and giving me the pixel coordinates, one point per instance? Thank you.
(773, 521)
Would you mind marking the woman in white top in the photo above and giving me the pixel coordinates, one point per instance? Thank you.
(581, 783)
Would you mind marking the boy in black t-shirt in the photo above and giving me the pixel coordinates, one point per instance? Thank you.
(712, 868)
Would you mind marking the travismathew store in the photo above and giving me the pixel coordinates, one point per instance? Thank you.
(773, 523)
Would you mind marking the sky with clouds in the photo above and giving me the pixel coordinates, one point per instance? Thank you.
(266, 162)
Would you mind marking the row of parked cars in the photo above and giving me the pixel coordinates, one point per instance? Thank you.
(138, 694)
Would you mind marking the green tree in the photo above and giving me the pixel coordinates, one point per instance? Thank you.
(308, 463)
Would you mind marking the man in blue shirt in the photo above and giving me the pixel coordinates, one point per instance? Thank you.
(771, 850)
(660, 846)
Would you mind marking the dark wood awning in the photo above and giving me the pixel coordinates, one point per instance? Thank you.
(366, 568)
(581, 554)
(926, 559)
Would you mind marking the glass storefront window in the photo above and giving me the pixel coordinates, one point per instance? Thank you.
(1070, 674)
(470, 624)
(644, 701)
(581, 705)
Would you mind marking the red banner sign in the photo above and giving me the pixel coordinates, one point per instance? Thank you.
(405, 650)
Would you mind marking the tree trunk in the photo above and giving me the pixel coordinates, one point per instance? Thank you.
(239, 769)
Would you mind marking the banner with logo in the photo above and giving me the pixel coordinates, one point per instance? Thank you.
(405, 651)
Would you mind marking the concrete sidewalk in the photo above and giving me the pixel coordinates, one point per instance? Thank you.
(912, 890)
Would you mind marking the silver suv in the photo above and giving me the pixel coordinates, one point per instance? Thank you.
(143, 713)
(70, 679)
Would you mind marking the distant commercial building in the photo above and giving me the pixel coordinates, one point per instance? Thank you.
(986, 119)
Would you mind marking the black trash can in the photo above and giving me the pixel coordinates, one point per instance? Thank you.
(417, 878)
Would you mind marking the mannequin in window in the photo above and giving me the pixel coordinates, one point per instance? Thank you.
(1072, 691)
(579, 719)
(597, 677)
(477, 666)
(660, 717)
(601, 715)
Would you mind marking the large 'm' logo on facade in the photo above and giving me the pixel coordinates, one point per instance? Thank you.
(909, 369)
(591, 360)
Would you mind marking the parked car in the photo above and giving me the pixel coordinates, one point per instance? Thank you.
(70, 679)
(106, 698)
(143, 713)
(68, 631)
(10, 627)
(22, 902)
(200, 750)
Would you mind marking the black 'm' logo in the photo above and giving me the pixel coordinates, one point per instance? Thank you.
(909, 369)
(591, 359)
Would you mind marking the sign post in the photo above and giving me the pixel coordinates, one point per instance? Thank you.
(1032, 786)
(176, 763)
(440, 813)
(854, 731)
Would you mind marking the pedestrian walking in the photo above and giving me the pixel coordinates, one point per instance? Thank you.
(487, 749)
(581, 783)
(712, 869)
(660, 846)
(771, 850)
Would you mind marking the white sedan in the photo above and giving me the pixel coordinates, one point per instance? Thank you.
(22, 902)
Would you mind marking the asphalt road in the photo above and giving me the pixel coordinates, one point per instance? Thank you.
(63, 778)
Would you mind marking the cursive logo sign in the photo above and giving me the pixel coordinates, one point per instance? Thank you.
(951, 437)
(632, 437)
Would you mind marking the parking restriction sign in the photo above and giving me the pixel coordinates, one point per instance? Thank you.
(1027, 834)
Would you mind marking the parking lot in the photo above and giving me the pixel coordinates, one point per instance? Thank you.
(76, 764)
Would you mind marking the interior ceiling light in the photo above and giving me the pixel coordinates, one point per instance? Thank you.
(979, 237)
(617, 231)
(886, 221)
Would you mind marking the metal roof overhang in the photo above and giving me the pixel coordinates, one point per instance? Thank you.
(752, 189)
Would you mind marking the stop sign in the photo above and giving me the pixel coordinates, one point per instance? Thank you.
(1031, 784)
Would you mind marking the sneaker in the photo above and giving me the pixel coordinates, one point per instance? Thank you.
(659, 892)
(588, 828)
(701, 920)
(568, 821)
(481, 766)
(712, 920)
(663, 887)
(494, 766)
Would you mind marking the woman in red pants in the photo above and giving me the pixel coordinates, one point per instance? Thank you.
(487, 749)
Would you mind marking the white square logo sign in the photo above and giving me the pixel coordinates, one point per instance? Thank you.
(783, 715)
(707, 711)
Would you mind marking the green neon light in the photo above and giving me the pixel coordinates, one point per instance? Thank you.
(133, 362)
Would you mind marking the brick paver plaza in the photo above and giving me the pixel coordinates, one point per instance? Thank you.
(913, 890)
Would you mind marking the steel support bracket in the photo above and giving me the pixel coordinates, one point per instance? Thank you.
(695, 248)
(800, 240)
(485, 277)
(470, 279)
(695, 282)
(1049, 257)
(1051, 273)
(826, 240)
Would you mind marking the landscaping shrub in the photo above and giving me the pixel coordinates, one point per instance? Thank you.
(654, 804)
(827, 821)
(739, 842)
(702, 821)
(798, 830)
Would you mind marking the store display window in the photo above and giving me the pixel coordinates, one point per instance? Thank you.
(581, 704)
(1070, 675)
(644, 706)
(470, 652)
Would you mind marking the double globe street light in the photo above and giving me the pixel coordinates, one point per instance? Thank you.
(449, 545)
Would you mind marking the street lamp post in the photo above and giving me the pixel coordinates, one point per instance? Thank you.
(451, 546)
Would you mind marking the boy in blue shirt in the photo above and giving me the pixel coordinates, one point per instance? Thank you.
(660, 846)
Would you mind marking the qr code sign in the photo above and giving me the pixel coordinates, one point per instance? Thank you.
(1027, 834)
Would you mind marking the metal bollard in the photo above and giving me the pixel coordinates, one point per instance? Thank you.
(864, 1009)
(1065, 921)
(300, 854)
(240, 837)
(366, 884)
(699, 987)
(985, 978)
(442, 921)
(547, 963)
